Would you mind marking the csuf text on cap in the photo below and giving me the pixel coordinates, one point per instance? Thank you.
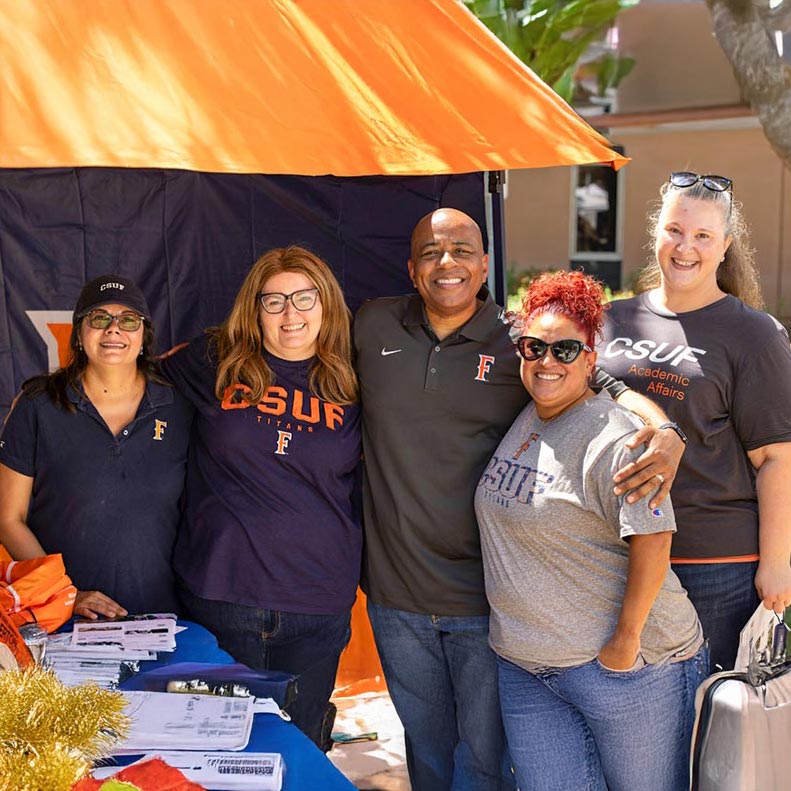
(111, 290)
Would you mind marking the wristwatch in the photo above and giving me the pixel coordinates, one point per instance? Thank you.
(675, 427)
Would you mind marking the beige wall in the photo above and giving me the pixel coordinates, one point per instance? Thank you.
(538, 204)
(679, 62)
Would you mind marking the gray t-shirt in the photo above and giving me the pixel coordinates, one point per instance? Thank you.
(553, 537)
(723, 373)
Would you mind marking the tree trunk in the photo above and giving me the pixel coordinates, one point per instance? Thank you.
(745, 31)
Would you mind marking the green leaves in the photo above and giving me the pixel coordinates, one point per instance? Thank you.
(551, 36)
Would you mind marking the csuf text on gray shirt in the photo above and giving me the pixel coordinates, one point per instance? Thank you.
(555, 542)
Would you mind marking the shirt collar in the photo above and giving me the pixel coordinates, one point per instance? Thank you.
(156, 395)
(478, 327)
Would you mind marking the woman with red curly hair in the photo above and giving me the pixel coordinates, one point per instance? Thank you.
(599, 648)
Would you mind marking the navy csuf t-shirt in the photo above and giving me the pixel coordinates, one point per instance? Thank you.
(109, 505)
(268, 519)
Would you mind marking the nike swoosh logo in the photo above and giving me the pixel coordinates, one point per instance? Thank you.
(392, 351)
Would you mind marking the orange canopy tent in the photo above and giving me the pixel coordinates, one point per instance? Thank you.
(347, 87)
(303, 87)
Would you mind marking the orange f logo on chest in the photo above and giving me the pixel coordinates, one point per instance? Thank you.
(283, 438)
(485, 362)
(159, 429)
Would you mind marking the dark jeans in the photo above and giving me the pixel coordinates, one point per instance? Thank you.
(308, 646)
(442, 677)
(725, 597)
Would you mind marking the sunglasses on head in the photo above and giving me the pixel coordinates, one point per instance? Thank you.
(564, 351)
(101, 320)
(686, 178)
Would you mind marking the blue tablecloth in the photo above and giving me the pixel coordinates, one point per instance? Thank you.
(307, 768)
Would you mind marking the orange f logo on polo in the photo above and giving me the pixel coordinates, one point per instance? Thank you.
(159, 428)
(485, 362)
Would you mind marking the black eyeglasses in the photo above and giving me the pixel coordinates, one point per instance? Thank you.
(686, 178)
(101, 320)
(564, 351)
(274, 302)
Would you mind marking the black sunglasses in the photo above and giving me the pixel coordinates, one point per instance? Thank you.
(686, 178)
(564, 351)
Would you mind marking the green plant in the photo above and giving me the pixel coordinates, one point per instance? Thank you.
(551, 36)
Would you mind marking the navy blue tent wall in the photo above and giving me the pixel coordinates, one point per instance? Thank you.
(189, 238)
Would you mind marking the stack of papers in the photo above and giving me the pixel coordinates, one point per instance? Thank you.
(107, 652)
(147, 633)
(219, 771)
(171, 721)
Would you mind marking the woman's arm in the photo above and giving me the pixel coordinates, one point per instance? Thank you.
(15, 535)
(773, 484)
(649, 559)
(661, 456)
(22, 544)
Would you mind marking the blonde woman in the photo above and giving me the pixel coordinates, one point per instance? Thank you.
(268, 554)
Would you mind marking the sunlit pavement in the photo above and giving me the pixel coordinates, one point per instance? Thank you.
(371, 765)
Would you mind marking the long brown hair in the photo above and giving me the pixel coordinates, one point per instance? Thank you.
(57, 383)
(240, 338)
(737, 274)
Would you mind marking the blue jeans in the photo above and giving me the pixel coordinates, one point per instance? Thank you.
(587, 728)
(725, 597)
(442, 677)
(309, 646)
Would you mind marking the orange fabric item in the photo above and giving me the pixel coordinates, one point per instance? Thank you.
(36, 590)
(153, 775)
(360, 669)
(310, 87)
(10, 637)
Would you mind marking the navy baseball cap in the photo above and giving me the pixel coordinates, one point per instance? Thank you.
(111, 289)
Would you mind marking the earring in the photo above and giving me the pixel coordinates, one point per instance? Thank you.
(140, 353)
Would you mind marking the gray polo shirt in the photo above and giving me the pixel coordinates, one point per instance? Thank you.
(433, 414)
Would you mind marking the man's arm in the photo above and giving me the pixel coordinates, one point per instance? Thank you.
(654, 470)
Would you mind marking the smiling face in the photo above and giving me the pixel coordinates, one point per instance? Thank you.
(448, 266)
(691, 241)
(112, 345)
(553, 385)
(292, 334)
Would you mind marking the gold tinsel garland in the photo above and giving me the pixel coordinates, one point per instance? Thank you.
(50, 735)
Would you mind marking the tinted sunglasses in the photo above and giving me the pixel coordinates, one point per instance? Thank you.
(564, 351)
(685, 178)
(101, 320)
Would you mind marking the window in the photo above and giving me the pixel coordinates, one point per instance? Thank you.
(596, 222)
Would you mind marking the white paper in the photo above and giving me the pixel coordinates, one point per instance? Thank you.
(269, 706)
(162, 720)
(148, 633)
(222, 771)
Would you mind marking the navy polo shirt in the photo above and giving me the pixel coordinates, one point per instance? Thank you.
(110, 505)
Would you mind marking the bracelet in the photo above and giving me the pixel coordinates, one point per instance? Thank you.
(675, 427)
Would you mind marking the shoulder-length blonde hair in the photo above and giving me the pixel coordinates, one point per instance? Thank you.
(240, 338)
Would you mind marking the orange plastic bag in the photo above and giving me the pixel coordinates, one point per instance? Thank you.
(153, 775)
(36, 591)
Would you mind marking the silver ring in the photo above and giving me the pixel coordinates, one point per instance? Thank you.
(661, 478)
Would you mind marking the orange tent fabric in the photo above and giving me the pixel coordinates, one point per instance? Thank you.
(309, 87)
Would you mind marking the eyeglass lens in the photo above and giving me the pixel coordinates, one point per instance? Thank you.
(564, 351)
(303, 300)
(101, 320)
(686, 178)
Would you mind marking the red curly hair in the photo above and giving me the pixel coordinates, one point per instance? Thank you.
(575, 295)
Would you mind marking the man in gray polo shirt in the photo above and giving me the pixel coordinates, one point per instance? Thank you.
(440, 388)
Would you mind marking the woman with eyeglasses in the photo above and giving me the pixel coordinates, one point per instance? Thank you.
(93, 458)
(697, 341)
(270, 546)
(599, 648)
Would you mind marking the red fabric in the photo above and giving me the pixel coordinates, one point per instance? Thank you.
(153, 775)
